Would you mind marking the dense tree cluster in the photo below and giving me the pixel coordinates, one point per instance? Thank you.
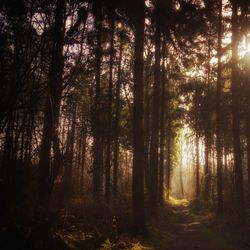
(95, 92)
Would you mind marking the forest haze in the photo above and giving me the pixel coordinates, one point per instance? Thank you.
(125, 124)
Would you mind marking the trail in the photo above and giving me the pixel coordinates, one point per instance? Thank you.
(190, 234)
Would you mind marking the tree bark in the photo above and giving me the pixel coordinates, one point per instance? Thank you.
(117, 120)
(219, 152)
(235, 88)
(197, 174)
(208, 132)
(52, 106)
(110, 98)
(162, 127)
(138, 143)
(154, 145)
(97, 143)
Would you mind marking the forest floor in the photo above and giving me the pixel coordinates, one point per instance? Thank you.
(191, 233)
(176, 227)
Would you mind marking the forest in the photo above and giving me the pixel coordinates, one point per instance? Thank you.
(125, 124)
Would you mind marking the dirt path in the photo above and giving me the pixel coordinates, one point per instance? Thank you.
(192, 235)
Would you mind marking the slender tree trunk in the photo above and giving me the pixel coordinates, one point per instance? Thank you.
(154, 145)
(69, 167)
(52, 106)
(83, 154)
(180, 172)
(138, 136)
(110, 97)
(147, 124)
(162, 127)
(117, 120)
(197, 174)
(248, 126)
(247, 85)
(168, 166)
(225, 172)
(97, 144)
(219, 152)
(207, 170)
(235, 88)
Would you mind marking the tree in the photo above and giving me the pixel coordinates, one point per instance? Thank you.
(219, 117)
(52, 105)
(98, 142)
(138, 142)
(238, 172)
(154, 145)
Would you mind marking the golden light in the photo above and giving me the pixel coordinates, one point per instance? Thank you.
(244, 47)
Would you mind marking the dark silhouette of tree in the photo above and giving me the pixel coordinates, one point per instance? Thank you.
(138, 142)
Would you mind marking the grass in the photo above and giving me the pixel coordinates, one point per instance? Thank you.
(160, 229)
(178, 202)
(218, 241)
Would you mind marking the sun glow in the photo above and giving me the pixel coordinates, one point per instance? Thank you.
(183, 180)
(244, 47)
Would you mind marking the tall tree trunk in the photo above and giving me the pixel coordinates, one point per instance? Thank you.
(168, 166)
(83, 153)
(147, 121)
(154, 145)
(245, 13)
(97, 134)
(208, 133)
(235, 88)
(219, 152)
(225, 172)
(110, 97)
(138, 136)
(52, 105)
(162, 127)
(117, 120)
(180, 172)
(70, 156)
(197, 174)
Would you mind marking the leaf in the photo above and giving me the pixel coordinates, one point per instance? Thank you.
(106, 245)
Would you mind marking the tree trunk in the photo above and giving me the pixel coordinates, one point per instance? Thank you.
(168, 166)
(138, 143)
(162, 127)
(154, 145)
(97, 143)
(208, 133)
(110, 97)
(219, 118)
(247, 86)
(52, 106)
(197, 174)
(117, 120)
(235, 88)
